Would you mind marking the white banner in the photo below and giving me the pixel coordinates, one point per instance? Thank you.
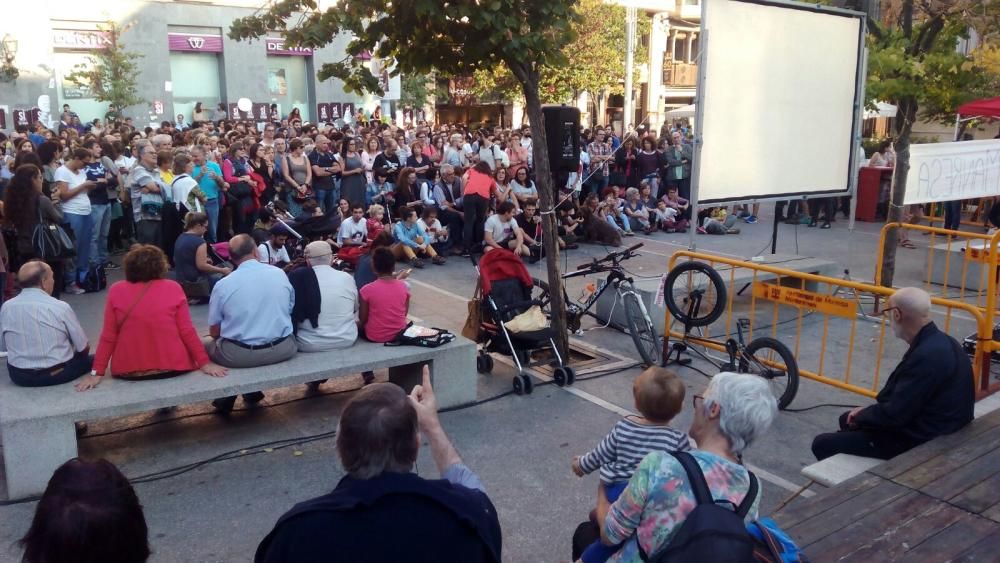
(952, 171)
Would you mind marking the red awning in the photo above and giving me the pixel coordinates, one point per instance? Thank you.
(989, 107)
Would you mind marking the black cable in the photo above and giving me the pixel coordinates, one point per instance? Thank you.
(804, 409)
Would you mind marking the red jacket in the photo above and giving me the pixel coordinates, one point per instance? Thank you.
(157, 335)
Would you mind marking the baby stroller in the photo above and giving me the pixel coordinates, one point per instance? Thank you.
(506, 288)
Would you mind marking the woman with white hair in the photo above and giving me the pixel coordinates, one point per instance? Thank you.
(735, 410)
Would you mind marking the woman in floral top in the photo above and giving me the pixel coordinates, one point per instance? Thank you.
(735, 411)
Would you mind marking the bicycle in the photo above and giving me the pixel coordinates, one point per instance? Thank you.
(695, 295)
(640, 326)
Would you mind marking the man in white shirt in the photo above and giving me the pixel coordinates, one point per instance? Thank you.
(327, 319)
(492, 154)
(354, 230)
(72, 185)
(273, 251)
(501, 231)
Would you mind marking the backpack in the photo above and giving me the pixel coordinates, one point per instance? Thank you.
(772, 544)
(96, 279)
(711, 532)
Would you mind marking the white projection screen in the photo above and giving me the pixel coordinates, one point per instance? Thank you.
(779, 93)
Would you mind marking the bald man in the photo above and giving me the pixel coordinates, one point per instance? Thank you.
(929, 394)
(44, 341)
(250, 316)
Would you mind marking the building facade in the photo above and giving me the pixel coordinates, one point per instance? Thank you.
(186, 58)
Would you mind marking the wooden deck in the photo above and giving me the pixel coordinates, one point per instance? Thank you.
(937, 502)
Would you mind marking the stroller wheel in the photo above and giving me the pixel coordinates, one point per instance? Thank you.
(518, 386)
(559, 376)
(570, 375)
(526, 382)
(484, 363)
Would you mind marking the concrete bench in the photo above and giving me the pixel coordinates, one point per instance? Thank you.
(37, 424)
(647, 287)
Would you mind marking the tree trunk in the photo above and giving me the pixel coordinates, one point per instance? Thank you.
(904, 126)
(547, 201)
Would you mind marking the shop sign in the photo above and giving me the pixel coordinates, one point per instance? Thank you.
(460, 91)
(195, 42)
(276, 46)
(80, 39)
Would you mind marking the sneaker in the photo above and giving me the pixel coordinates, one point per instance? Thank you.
(702, 231)
(825, 225)
(74, 289)
(109, 265)
(439, 260)
(629, 234)
(417, 263)
(751, 219)
(811, 223)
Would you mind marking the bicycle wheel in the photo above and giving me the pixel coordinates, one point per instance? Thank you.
(773, 361)
(642, 330)
(693, 281)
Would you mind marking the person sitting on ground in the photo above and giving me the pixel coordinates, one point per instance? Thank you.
(148, 332)
(261, 232)
(385, 302)
(382, 510)
(44, 341)
(501, 231)
(675, 201)
(375, 221)
(596, 228)
(715, 221)
(611, 209)
(88, 513)
(352, 237)
(250, 316)
(635, 212)
(438, 235)
(191, 262)
(326, 302)
(736, 409)
(273, 251)
(659, 396)
(929, 394)
(412, 242)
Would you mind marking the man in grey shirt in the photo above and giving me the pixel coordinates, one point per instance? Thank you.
(44, 341)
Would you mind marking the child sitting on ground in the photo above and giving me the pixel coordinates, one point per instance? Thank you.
(717, 222)
(374, 222)
(666, 217)
(659, 396)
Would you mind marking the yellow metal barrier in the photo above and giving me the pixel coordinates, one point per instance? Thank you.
(815, 305)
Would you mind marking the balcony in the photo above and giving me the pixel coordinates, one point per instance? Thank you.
(680, 74)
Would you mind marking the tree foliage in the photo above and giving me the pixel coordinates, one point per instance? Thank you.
(111, 74)
(596, 58)
(453, 38)
(419, 90)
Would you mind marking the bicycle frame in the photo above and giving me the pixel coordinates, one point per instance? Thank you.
(615, 278)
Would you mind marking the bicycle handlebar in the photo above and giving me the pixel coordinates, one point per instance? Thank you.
(613, 257)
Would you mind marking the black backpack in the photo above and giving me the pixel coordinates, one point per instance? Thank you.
(711, 532)
(96, 279)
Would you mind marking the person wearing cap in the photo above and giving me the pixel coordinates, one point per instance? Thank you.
(273, 251)
(324, 316)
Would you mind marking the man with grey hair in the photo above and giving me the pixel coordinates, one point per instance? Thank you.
(44, 341)
(326, 302)
(447, 194)
(148, 193)
(929, 394)
(162, 141)
(381, 510)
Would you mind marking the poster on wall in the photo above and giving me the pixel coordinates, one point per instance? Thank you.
(3, 117)
(323, 112)
(25, 117)
(334, 111)
(277, 83)
(236, 114)
(259, 112)
(347, 110)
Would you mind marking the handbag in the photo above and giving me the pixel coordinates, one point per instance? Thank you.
(50, 241)
(474, 318)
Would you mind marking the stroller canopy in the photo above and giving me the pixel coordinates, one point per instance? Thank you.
(501, 264)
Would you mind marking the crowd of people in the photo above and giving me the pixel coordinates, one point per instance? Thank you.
(108, 186)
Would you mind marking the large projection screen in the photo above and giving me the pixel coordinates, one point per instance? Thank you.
(779, 91)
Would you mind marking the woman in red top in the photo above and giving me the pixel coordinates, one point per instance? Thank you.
(148, 333)
(479, 186)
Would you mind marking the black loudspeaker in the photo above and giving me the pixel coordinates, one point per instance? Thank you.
(562, 131)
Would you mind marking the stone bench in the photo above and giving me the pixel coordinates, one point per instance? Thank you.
(37, 424)
(647, 287)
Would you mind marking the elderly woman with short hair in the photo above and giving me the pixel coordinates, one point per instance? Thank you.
(735, 410)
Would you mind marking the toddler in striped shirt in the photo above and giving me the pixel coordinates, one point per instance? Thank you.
(659, 396)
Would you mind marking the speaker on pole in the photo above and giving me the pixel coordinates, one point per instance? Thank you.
(562, 131)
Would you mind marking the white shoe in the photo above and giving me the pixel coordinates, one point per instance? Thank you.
(74, 289)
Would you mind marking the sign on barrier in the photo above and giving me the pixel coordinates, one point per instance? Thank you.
(827, 304)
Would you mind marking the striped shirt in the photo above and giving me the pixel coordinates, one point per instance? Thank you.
(39, 331)
(620, 452)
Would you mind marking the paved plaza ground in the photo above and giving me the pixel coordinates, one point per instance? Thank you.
(521, 446)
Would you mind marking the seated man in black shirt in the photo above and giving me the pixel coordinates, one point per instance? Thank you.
(930, 393)
(381, 511)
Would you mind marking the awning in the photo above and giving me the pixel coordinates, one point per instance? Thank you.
(683, 111)
(883, 109)
(989, 107)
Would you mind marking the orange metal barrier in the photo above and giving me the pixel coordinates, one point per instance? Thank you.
(802, 310)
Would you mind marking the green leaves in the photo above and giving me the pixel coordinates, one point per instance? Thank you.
(111, 74)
